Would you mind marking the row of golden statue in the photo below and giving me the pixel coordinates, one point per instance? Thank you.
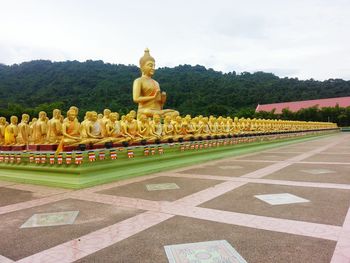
(101, 128)
(149, 124)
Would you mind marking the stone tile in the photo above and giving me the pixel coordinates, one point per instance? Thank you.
(268, 156)
(230, 167)
(165, 186)
(281, 199)
(186, 186)
(320, 173)
(210, 251)
(227, 168)
(12, 196)
(326, 206)
(17, 243)
(252, 244)
(51, 219)
(328, 158)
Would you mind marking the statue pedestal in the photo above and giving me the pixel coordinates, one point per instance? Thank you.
(115, 145)
(69, 148)
(33, 147)
(18, 148)
(48, 147)
(98, 146)
(5, 148)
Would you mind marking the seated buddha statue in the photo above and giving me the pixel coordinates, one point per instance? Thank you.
(40, 129)
(156, 125)
(179, 129)
(11, 131)
(2, 130)
(71, 129)
(130, 129)
(146, 91)
(23, 131)
(104, 120)
(90, 131)
(113, 132)
(145, 129)
(168, 129)
(54, 131)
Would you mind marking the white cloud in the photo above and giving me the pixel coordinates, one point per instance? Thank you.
(305, 39)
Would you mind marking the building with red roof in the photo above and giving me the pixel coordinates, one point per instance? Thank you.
(297, 105)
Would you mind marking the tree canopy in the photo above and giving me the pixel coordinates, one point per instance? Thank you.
(95, 85)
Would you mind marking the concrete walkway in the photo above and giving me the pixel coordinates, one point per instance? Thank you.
(287, 204)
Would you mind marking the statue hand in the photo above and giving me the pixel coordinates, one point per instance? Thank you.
(156, 94)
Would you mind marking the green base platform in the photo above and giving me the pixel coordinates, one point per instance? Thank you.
(100, 172)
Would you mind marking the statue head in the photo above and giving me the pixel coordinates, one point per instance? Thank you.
(14, 120)
(2, 120)
(113, 116)
(143, 118)
(71, 115)
(133, 113)
(156, 118)
(75, 109)
(146, 57)
(93, 116)
(42, 115)
(56, 113)
(117, 115)
(167, 119)
(147, 64)
(106, 112)
(25, 118)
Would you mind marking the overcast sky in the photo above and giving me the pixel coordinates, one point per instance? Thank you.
(293, 38)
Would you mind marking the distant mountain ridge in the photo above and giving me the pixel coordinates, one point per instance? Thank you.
(95, 85)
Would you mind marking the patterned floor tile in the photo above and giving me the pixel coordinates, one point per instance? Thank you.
(281, 199)
(229, 167)
(165, 186)
(51, 219)
(219, 251)
(318, 171)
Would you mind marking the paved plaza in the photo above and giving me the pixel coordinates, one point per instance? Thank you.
(284, 204)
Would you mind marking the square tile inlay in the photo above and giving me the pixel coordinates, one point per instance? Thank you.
(318, 171)
(165, 186)
(281, 199)
(229, 167)
(51, 219)
(219, 251)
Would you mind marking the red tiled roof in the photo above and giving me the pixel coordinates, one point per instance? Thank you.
(297, 105)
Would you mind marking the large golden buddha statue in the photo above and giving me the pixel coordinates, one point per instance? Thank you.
(146, 91)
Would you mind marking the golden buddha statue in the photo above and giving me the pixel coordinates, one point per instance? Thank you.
(168, 129)
(179, 129)
(104, 120)
(130, 129)
(40, 129)
(54, 131)
(213, 126)
(71, 128)
(2, 130)
(76, 110)
(90, 130)
(146, 91)
(23, 131)
(145, 129)
(114, 128)
(11, 131)
(156, 125)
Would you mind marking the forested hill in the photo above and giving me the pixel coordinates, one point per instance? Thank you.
(95, 85)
